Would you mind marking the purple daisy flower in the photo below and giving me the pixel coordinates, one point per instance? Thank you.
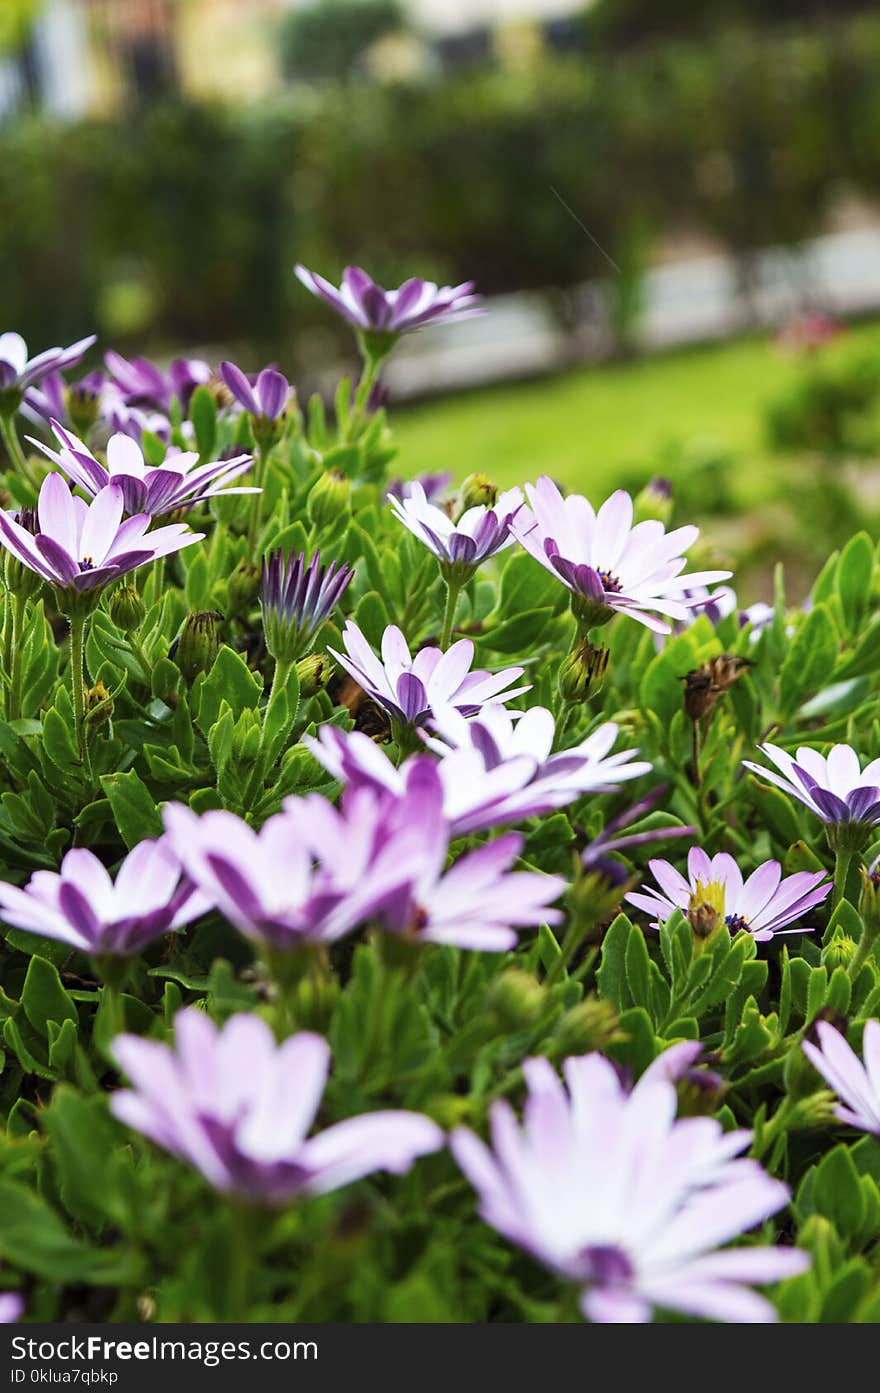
(11, 1307)
(605, 1187)
(597, 853)
(141, 383)
(835, 788)
(82, 906)
(50, 399)
(496, 768)
(856, 1084)
(477, 903)
(18, 372)
(301, 878)
(264, 397)
(297, 597)
(371, 309)
(459, 546)
(81, 547)
(410, 687)
(238, 1108)
(434, 486)
(608, 564)
(762, 905)
(178, 482)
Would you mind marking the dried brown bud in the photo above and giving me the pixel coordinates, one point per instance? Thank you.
(704, 686)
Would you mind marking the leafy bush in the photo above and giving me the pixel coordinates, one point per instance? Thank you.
(446, 967)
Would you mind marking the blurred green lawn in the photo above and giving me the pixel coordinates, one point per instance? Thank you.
(597, 427)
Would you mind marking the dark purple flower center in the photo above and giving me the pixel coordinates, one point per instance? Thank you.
(604, 1265)
(610, 583)
(87, 564)
(735, 922)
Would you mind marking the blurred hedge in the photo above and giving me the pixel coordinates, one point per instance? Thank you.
(174, 227)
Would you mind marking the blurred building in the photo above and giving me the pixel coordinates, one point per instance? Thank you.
(80, 56)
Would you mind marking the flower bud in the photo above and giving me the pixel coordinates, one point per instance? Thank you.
(591, 1025)
(869, 900)
(19, 579)
(654, 502)
(700, 1092)
(517, 999)
(478, 490)
(198, 645)
(838, 953)
(704, 686)
(98, 704)
(247, 736)
(242, 588)
(597, 894)
(313, 673)
(127, 609)
(582, 673)
(83, 407)
(329, 499)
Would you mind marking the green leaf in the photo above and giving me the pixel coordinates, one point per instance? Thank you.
(83, 1139)
(372, 617)
(513, 635)
(837, 1193)
(638, 969)
(229, 680)
(33, 1237)
(43, 997)
(203, 414)
(809, 661)
(854, 571)
(611, 977)
(134, 807)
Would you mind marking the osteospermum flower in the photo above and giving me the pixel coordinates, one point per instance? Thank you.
(11, 1307)
(834, 787)
(18, 371)
(857, 1085)
(761, 905)
(142, 384)
(410, 687)
(84, 907)
(178, 482)
(265, 397)
(238, 1107)
(80, 547)
(477, 903)
(459, 546)
(55, 399)
(607, 1189)
(495, 768)
(297, 597)
(608, 564)
(296, 881)
(370, 308)
(434, 486)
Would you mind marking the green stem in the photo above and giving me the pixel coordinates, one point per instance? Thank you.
(282, 672)
(256, 501)
(15, 452)
(13, 703)
(367, 381)
(842, 859)
(452, 593)
(77, 684)
(862, 953)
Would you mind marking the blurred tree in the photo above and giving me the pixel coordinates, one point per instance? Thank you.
(330, 37)
(16, 20)
(624, 22)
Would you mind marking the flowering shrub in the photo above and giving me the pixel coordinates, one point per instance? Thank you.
(418, 903)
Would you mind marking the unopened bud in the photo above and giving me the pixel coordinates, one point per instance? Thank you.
(83, 407)
(517, 998)
(329, 499)
(582, 673)
(704, 686)
(98, 704)
(198, 645)
(869, 900)
(242, 588)
(127, 609)
(839, 952)
(591, 1025)
(313, 673)
(478, 490)
(654, 502)
(597, 893)
(18, 578)
(700, 1092)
